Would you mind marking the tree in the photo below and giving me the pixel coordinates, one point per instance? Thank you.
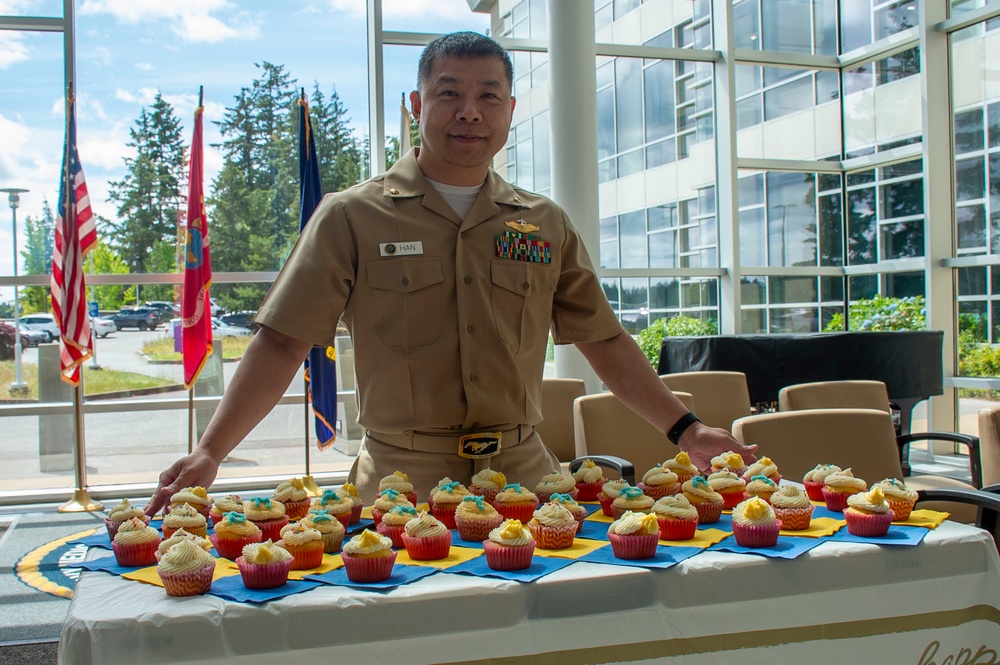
(37, 254)
(337, 149)
(149, 196)
(107, 262)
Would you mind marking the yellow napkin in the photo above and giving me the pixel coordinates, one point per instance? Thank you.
(819, 527)
(580, 547)
(926, 518)
(366, 512)
(702, 538)
(150, 576)
(598, 516)
(330, 562)
(456, 556)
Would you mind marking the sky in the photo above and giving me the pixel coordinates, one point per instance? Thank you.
(127, 50)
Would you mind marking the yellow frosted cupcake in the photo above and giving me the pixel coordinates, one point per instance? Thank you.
(900, 497)
(729, 461)
(589, 481)
(681, 465)
(837, 487)
(488, 483)
(293, 496)
(351, 492)
(196, 497)
(868, 514)
(755, 525)
(186, 570)
(264, 565)
(509, 547)
(634, 536)
(400, 482)
(368, 557)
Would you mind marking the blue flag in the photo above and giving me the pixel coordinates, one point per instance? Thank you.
(321, 365)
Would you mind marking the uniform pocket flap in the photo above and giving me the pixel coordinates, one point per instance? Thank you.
(523, 277)
(405, 275)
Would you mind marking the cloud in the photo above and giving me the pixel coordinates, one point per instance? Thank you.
(101, 55)
(192, 20)
(12, 49)
(407, 8)
(144, 66)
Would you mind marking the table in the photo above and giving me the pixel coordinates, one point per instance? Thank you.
(838, 603)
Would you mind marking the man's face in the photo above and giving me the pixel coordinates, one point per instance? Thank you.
(464, 110)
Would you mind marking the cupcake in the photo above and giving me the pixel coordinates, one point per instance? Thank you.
(230, 503)
(446, 500)
(122, 512)
(351, 492)
(509, 547)
(840, 485)
(761, 487)
(393, 522)
(184, 517)
(792, 506)
(631, 499)
(430, 495)
(659, 482)
(813, 480)
(268, 515)
(264, 565)
(634, 536)
(515, 502)
(681, 465)
(555, 483)
(186, 570)
(868, 514)
(135, 543)
(553, 527)
(426, 538)
(763, 467)
(589, 481)
(398, 481)
(293, 496)
(475, 517)
(232, 533)
(729, 461)
(755, 525)
(488, 483)
(676, 518)
(331, 530)
(178, 536)
(337, 505)
(705, 500)
(197, 497)
(569, 503)
(899, 497)
(387, 500)
(368, 557)
(304, 544)
(731, 487)
(609, 492)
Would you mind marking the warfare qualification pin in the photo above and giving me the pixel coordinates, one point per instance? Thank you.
(520, 226)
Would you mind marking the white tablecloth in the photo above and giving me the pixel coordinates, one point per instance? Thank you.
(838, 603)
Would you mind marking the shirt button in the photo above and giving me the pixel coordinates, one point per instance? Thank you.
(470, 328)
(467, 279)
(472, 378)
(405, 281)
(475, 424)
(462, 234)
(525, 286)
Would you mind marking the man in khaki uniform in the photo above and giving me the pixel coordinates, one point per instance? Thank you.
(449, 280)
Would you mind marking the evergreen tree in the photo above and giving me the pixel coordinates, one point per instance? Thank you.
(149, 196)
(37, 254)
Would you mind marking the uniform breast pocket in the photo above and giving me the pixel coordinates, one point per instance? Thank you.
(522, 299)
(407, 298)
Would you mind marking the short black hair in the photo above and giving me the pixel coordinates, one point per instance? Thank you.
(462, 45)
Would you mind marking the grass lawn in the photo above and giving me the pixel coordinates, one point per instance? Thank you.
(163, 349)
(95, 382)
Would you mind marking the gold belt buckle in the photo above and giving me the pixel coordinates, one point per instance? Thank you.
(479, 445)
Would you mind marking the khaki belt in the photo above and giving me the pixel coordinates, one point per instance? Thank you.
(472, 444)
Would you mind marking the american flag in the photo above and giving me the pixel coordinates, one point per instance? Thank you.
(76, 234)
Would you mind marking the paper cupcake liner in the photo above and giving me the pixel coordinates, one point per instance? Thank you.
(393, 532)
(794, 519)
(189, 583)
(589, 491)
(428, 548)
(656, 492)
(232, 548)
(606, 502)
(558, 537)
(516, 511)
(487, 494)
(355, 514)
(368, 569)
(757, 535)
(732, 499)
(618, 511)
(835, 501)
(814, 490)
(901, 508)
(633, 546)
(502, 557)
(304, 557)
(476, 530)
(684, 477)
(868, 525)
(112, 526)
(332, 542)
(271, 529)
(671, 529)
(263, 576)
(296, 510)
(708, 513)
(215, 518)
(344, 518)
(377, 516)
(193, 530)
(445, 514)
(135, 554)
(579, 517)
(544, 496)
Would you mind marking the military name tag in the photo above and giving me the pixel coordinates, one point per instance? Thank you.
(400, 248)
(480, 445)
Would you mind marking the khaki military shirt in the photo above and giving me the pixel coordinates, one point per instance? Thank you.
(446, 333)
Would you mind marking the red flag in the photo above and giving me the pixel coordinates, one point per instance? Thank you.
(196, 336)
(76, 234)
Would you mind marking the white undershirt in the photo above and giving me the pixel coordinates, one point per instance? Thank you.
(459, 198)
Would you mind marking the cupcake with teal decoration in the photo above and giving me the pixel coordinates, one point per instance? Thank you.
(350, 491)
(269, 516)
(331, 530)
(475, 517)
(516, 502)
(394, 522)
(232, 533)
(761, 487)
(631, 499)
(387, 500)
(706, 501)
(339, 506)
(445, 501)
(569, 503)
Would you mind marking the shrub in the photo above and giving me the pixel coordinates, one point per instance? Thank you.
(881, 313)
(676, 326)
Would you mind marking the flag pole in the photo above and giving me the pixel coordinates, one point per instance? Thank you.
(81, 501)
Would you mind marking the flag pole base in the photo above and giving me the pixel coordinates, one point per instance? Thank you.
(312, 489)
(81, 503)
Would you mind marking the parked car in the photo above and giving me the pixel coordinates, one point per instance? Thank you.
(31, 337)
(168, 310)
(242, 319)
(102, 327)
(217, 309)
(220, 329)
(143, 318)
(41, 321)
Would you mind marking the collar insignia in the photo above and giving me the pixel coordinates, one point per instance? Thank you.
(521, 226)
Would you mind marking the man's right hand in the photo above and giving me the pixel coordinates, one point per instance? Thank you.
(198, 468)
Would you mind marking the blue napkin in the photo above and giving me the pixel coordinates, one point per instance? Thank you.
(897, 535)
(99, 539)
(458, 542)
(365, 523)
(787, 547)
(593, 530)
(232, 588)
(400, 575)
(591, 507)
(725, 523)
(107, 564)
(665, 557)
(540, 567)
(821, 511)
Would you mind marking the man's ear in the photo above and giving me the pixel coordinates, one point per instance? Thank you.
(415, 105)
(513, 102)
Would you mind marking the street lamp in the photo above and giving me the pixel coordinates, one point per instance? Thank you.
(19, 386)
